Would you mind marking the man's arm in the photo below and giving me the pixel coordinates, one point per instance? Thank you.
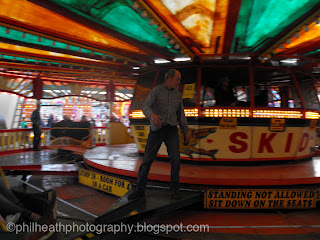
(146, 108)
(182, 120)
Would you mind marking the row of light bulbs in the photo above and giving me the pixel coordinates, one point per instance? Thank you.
(194, 112)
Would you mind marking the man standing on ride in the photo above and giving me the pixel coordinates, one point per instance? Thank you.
(164, 108)
(36, 126)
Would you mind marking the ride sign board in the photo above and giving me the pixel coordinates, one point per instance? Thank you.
(228, 123)
(313, 123)
(277, 125)
(188, 90)
(260, 198)
(105, 183)
(236, 142)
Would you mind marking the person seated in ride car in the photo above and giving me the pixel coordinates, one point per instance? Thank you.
(224, 94)
(9, 204)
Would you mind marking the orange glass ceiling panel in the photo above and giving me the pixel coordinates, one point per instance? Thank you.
(197, 16)
(42, 52)
(37, 16)
(312, 35)
(197, 22)
(219, 27)
(164, 13)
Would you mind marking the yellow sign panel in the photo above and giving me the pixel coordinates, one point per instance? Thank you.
(277, 125)
(141, 136)
(228, 123)
(260, 198)
(188, 90)
(105, 183)
(313, 123)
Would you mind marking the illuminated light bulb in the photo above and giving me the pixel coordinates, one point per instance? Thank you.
(135, 5)
(151, 22)
(144, 14)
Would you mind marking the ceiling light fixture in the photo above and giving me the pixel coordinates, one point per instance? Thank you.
(182, 59)
(157, 61)
(290, 60)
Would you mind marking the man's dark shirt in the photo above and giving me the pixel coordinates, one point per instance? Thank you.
(168, 104)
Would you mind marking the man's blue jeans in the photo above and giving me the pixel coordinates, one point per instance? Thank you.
(169, 135)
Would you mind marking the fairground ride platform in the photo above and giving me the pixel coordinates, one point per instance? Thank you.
(124, 160)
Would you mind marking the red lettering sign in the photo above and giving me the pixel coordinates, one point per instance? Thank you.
(304, 142)
(289, 141)
(265, 142)
(234, 138)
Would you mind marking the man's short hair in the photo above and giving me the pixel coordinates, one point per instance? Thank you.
(170, 73)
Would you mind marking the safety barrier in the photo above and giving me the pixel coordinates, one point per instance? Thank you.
(19, 140)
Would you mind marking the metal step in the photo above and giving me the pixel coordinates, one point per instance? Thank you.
(157, 201)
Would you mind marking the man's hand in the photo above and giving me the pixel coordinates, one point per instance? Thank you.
(186, 140)
(156, 120)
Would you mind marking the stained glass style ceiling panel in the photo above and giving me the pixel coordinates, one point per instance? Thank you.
(36, 16)
(44, 62)
(196, 16)
(303, 39)
(201, 24)
(259, 21)
(42, 52)
(121, 17)
(21, 38)
(20, 86)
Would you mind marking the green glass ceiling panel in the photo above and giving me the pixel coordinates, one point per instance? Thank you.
(29, 38)
(119, 16)
(261, 20)
(313, 52)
